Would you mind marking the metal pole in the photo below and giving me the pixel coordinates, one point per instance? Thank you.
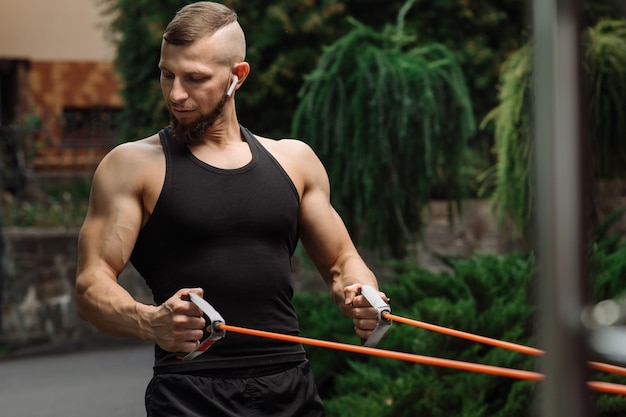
(2, 173)
(558, 134)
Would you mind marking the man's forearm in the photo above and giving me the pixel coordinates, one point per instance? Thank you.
(351, 270)
(109, 307)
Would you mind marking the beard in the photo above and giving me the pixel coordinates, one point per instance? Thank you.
(190, 134)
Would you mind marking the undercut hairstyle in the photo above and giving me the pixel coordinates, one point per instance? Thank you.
(197, 20)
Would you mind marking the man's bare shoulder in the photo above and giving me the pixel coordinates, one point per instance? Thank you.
(131, 155)
(294, 148)
(299, 161)
(149, 147)
(132, 161)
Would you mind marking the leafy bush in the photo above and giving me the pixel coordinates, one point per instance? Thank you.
(487, 295)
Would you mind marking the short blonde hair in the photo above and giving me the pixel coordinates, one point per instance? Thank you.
(197, 20)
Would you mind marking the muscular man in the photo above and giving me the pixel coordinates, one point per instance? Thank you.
(205, 206)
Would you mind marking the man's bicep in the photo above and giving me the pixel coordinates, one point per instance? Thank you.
(323, 233)
(112, 222)
(105, 243)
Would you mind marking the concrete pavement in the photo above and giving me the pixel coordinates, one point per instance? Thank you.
(87, 381)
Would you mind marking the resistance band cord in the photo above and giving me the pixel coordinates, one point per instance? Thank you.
(599, 386)
(219, 328)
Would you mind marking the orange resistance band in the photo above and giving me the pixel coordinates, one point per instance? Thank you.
(448, 363)
(502, 344)
(608, 368)
(599, 386)
(469, 336)
(608, 387)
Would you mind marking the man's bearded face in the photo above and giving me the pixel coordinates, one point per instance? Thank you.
(190, 134)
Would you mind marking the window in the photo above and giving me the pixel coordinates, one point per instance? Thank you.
(92, 127)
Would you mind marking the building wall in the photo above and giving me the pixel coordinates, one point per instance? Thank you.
(57, 85)
(54, 30)
(70, 65)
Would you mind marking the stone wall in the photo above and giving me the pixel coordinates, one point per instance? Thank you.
(38, 287)
(40, 264)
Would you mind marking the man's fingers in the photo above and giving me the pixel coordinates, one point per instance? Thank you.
(187, 346)
(197, 322)
(350, 293)
(182, 300)
(365, 324)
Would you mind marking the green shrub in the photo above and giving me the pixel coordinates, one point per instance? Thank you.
(64, 210)
(488, 295)
(62, 204)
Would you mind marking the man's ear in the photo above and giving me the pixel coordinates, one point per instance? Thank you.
(241, 70)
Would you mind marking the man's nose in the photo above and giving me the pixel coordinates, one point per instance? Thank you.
(178, 93)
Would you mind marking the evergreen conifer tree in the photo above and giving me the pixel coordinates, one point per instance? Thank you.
(391, 122)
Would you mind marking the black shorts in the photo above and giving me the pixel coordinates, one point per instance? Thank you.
(288, 393)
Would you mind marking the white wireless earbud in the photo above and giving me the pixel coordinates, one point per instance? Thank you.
(231, 89)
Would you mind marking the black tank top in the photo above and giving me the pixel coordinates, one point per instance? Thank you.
(231, 232)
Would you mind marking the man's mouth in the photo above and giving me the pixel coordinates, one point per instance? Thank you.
(181, 113)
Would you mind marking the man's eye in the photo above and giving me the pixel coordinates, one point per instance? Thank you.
(167, 76)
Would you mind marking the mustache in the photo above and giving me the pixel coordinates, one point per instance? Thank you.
(178, 107)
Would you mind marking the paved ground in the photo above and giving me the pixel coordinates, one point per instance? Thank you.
(76, 381)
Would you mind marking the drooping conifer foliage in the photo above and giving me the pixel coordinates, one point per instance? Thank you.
(513, 143)
(604, 63)
(390, 119)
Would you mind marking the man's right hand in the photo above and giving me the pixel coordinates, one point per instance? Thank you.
(177, 324)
